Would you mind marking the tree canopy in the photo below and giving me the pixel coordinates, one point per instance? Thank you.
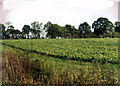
(102, 26)
(117, 26)
(26, 30)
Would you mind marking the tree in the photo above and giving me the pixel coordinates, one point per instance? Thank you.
(115, 34)
(84, 29)
(65, 35)
(71, 30)
(61, 32)
(17, 34)
(26, 30)
(2, 31)
(10, 32)
(48, 27)
(36, 29)
(53, 30)
(117, 26)
(58, 30)
(102, 26)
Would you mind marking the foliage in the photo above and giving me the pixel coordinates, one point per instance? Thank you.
(84, 28)
(2, 31)
(101, 50)
(117, 26)
(46, 70)
(71, 30)
(36, 29)
(53, 30)
(102, 26)
(26, 30)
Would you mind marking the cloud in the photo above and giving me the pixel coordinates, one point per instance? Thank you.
(57, 11)
(1, 0)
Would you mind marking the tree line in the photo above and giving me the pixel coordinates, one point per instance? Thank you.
(102, 28)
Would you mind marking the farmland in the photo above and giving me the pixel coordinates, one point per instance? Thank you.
(105, 50)
(85, 61)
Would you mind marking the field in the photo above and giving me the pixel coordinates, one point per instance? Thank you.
(65, 61)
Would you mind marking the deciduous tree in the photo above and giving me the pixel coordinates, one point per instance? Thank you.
(102, 26)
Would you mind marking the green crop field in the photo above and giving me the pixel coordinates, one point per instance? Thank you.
(83, 61)
(105, 50)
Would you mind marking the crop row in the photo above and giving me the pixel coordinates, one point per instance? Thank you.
(102, 50)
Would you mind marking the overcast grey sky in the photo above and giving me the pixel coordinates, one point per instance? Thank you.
(62, 12)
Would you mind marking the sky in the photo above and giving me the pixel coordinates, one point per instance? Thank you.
(62, 12)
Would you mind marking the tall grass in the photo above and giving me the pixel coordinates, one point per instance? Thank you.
(17, 69)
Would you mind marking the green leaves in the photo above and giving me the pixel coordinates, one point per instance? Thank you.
(84, 28)
(102, 26)
(104, 50)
